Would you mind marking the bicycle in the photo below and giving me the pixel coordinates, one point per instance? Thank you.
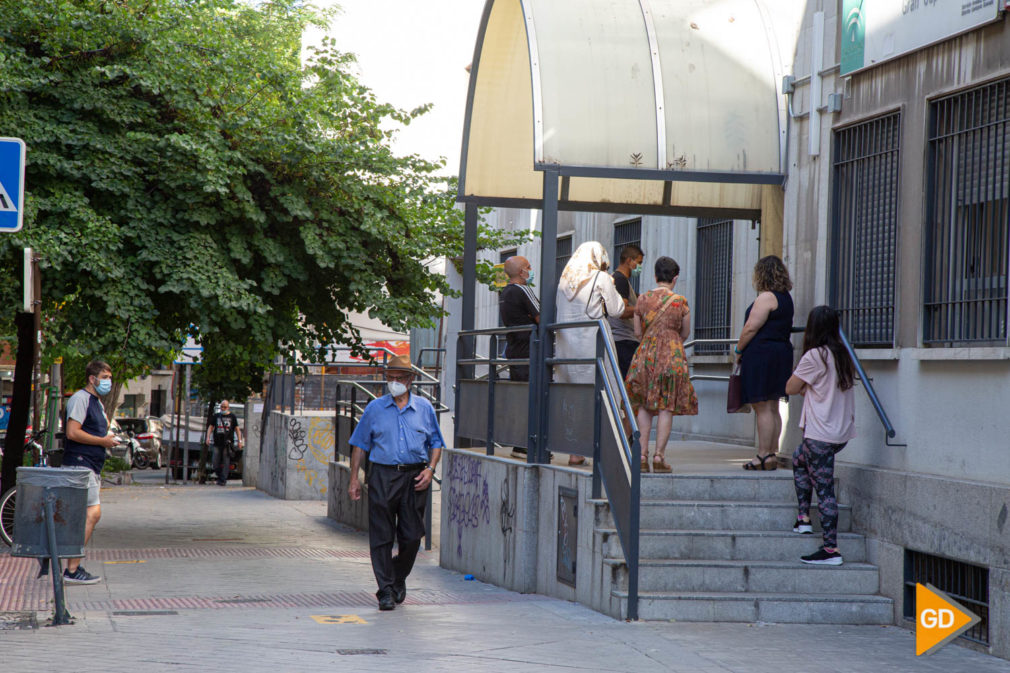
(9, 500)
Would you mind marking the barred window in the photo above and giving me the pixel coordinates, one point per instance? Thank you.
(564, 254)
(965, 283)
(864, 229)
(714, 284)
(627, 233)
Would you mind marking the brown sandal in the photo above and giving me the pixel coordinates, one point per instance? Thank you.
(645, 466)
(661, 467)
(576, 460)
(763, 465)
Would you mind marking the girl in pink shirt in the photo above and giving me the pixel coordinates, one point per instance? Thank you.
(825, 377)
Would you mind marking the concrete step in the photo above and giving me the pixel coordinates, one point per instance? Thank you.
(785, 608)
(774, 486)
(787, 577)
(730, 545)
(725, 515)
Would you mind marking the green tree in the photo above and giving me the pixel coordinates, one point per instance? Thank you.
(189, 173)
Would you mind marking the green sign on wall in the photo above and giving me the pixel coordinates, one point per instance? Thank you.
(853, 36)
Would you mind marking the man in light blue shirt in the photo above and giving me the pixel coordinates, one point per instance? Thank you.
(400, 434)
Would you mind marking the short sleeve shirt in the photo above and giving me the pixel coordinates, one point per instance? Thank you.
(224, 427)
(87, 410)
(624, 329)
(829, 413)
(394, 436)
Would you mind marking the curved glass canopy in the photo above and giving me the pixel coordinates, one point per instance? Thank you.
(668, 106)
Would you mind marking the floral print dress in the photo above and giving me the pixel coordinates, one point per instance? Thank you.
(658, 379)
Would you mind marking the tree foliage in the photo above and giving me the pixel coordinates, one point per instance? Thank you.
(190, 173)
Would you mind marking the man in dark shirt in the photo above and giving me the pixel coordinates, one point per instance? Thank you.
(623, 327)
(223, 425)
(86, 440)
(518, 306)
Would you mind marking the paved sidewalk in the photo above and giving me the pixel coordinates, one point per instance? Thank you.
(201, 578)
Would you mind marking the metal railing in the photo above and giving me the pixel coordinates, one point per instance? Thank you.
(618, 471)
(871, 392)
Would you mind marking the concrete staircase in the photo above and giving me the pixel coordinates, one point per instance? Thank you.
(721, 548)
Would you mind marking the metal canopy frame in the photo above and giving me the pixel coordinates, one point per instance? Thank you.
(556, 190)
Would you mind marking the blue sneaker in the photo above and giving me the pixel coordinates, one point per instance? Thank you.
(79, 576)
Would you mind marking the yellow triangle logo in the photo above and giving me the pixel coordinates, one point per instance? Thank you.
(939, 619)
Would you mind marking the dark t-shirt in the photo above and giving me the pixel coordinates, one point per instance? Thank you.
(517, 306)
(622, 284)
(224, 427)
(623, 329)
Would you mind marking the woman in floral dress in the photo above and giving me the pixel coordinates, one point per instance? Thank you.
(658, 381)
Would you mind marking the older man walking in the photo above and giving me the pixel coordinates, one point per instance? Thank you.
(399, 432)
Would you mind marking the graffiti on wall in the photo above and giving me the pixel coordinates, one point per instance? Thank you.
(468, 500)
(310, 442)
(506, 514)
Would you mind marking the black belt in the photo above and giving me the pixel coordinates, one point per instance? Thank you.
(404, 468)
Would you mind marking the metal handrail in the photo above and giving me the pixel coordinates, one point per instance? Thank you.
(605, 355)
(384, 351)
(868, 386)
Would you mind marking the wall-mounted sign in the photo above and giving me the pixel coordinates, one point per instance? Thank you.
(874, 31)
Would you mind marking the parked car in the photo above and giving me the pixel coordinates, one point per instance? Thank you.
(125, 449)
(147, 432)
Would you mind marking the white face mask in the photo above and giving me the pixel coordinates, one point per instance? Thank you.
(396, 388)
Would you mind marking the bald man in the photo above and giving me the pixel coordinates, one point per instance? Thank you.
(518, 306)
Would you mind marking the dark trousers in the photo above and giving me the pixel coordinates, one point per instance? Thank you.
(222, 462)
(395, 511)
(625, 354)
(519, 372)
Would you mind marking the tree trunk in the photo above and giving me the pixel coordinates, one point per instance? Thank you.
(203, 443)
(14, 444)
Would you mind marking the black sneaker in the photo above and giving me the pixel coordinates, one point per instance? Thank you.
(80, 576)
(823, 558)
(399, 592)
(386, 600)
(803, 527)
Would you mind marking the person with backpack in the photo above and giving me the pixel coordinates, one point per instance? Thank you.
(825, 376)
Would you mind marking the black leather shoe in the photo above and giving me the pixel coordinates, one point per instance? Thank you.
(399, 592)
(386, 600)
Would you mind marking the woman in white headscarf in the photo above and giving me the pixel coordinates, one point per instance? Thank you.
(585, 292)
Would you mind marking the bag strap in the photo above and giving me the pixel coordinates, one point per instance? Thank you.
(603, 302)
(669, 301)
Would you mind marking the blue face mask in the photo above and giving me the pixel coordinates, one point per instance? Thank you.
(104, 386)
(529, 280)
(636, 272)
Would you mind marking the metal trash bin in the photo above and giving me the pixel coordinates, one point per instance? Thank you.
(69, 486)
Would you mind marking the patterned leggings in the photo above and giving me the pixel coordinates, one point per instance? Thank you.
(814, 467)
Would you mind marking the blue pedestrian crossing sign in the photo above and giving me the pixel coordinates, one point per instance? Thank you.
(12, 184)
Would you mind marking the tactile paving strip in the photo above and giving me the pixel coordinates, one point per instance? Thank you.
(19, 590)
(223, 552)
(329, 599)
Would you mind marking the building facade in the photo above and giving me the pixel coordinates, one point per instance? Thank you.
(897, 213)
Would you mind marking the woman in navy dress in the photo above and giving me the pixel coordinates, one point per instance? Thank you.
(765, 354)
